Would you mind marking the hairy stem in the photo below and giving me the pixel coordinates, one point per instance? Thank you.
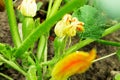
(12, 23)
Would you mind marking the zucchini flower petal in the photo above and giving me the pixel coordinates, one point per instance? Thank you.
(28, 8)
(77, 24)
(75, 63)
(68, 26)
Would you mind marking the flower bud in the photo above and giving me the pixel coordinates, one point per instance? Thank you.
(28, 8)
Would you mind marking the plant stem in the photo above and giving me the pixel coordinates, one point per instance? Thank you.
(88, 40)
(111, 29)
(104, 57)
(47, 25)
(108, 42)
(42, 53)
(49, 7)
(79, 45)
(12, 64)
(7, 77)
(41, 48)
(45, 60)
(55, 7)
(12, 23)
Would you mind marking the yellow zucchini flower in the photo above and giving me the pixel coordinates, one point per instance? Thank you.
(28, 8)
(68, 26)
(75, 63)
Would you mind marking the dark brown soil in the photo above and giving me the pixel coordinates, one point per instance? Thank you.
(5, 36)
(101, 70)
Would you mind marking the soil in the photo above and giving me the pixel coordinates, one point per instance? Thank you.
(101, 70)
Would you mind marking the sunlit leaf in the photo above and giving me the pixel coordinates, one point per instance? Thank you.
(93, 19)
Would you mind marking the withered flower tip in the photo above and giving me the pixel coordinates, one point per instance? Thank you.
(68, 26)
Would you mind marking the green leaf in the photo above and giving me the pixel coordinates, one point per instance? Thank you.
(118, 54)
(94, 21)
(6, 51)
(32, 73)
(117, 77)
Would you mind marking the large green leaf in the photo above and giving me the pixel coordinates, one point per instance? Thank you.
(93, 19)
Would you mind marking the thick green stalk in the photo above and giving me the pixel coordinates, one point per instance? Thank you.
(47, 25)
(12, 23)
(88, 40)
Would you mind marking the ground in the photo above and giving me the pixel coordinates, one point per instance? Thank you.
(101, 70)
